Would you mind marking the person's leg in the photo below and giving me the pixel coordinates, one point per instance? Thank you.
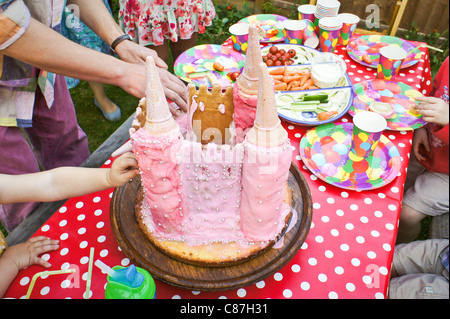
(162, 50)
(409, 225)
(99, 93)
(16, 157)
(56, 137)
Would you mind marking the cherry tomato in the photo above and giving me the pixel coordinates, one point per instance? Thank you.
(273, 49)
(268, 55)
(282, 51)
(290, 62)
(264, 59)
(234, 75)
(277, 63)
(292, 53)
(273, 57)
(286, 56)
(278, 54)
(269, 62)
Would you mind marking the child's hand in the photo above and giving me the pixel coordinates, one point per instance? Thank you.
(433, 109)
(26, 254)
(122, 170)
(421, 144)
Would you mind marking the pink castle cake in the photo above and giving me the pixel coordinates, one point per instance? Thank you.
(211, 200)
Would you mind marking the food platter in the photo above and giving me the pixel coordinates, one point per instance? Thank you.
(143, 253)
(340, 100)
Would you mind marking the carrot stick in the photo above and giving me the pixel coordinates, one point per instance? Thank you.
(281, 86)
(277, 71)
(277, 77)
(288, 79)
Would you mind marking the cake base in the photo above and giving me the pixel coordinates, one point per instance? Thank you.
(213, 254)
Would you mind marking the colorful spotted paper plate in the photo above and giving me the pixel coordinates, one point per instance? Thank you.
(371, 45)
(193, 64)
(401, 96)
(269, 25)
(324, 151)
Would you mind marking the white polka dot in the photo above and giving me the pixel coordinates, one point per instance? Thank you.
(79, 205)
(371, 254)
(387, 247)
(333, 295)
(287, 293)
(367, 201)
(354, 207)
(295, 268)
(389, 226)
(383, 271)
(360, 240)
(322, 188)
(84, 260)
(330, 200)
(355, 262)
(82, 230)
(305, 285)
(64, 236)
(394, 189)
(329, 254)
(260, 284)
(83, 244)
(345, 247)
(104, 253)
(350, 287)
(334, 232)
(63, 209)
(379, 295)
(339, 270)
(45, 228)
(349, 226)
(312, 261)
(63, 223)
(101, 239)
(241, 292)
(344, 194)
(45, 291)
(375, 233)
(322, 277)
(325, 219)
(378, 214)
(278, 276)
(66, 284)
(125, 262)
(316, 205)
(319, 239)
(24, 281)
(367, 280)
(64, 251)
(98, 212)
(364, 219)
(340, 212)
(97, 199)
(392, 207)
(100, 225)
(81, 217)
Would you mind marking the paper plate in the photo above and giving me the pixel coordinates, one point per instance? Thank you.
(267, 24)
(401, 96)
(324, 151)
(371, 45)
(201, 58)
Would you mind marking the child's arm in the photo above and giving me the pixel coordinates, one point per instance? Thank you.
(65, 182)
(20, 256)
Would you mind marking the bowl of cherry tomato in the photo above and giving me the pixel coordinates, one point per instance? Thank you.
(277, 57)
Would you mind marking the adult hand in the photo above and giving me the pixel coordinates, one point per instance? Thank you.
(174, 89)
(421, 144)
(433, 109)
(132, 52)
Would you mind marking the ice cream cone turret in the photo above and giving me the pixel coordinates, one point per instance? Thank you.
(159, 119)
(247, 82)
(267, 130)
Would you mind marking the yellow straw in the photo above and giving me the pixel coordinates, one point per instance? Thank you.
(88, 282)
(45, 273)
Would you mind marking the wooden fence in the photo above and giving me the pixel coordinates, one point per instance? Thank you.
(427, 15)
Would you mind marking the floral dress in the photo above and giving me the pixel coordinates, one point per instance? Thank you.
(151, 22)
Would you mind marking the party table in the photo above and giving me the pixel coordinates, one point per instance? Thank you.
(347, 254)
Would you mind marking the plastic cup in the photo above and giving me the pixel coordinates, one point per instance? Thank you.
(349, 24)
(330, 29)
(118, 290)
(239, 36)
(367, 129)
(306, 12)
(310, 38)
(391, 60)
(293, 31)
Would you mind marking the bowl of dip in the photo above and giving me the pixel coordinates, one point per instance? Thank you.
(327, 69)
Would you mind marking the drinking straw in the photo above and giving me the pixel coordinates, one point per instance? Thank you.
(88, 282)
(105, 268)
(46, 273)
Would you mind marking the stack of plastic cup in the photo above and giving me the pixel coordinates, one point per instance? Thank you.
(306, 12)
(330, 29)
(324, 9)
(349, 24)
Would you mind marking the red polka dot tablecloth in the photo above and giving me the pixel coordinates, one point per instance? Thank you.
(347, 254)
